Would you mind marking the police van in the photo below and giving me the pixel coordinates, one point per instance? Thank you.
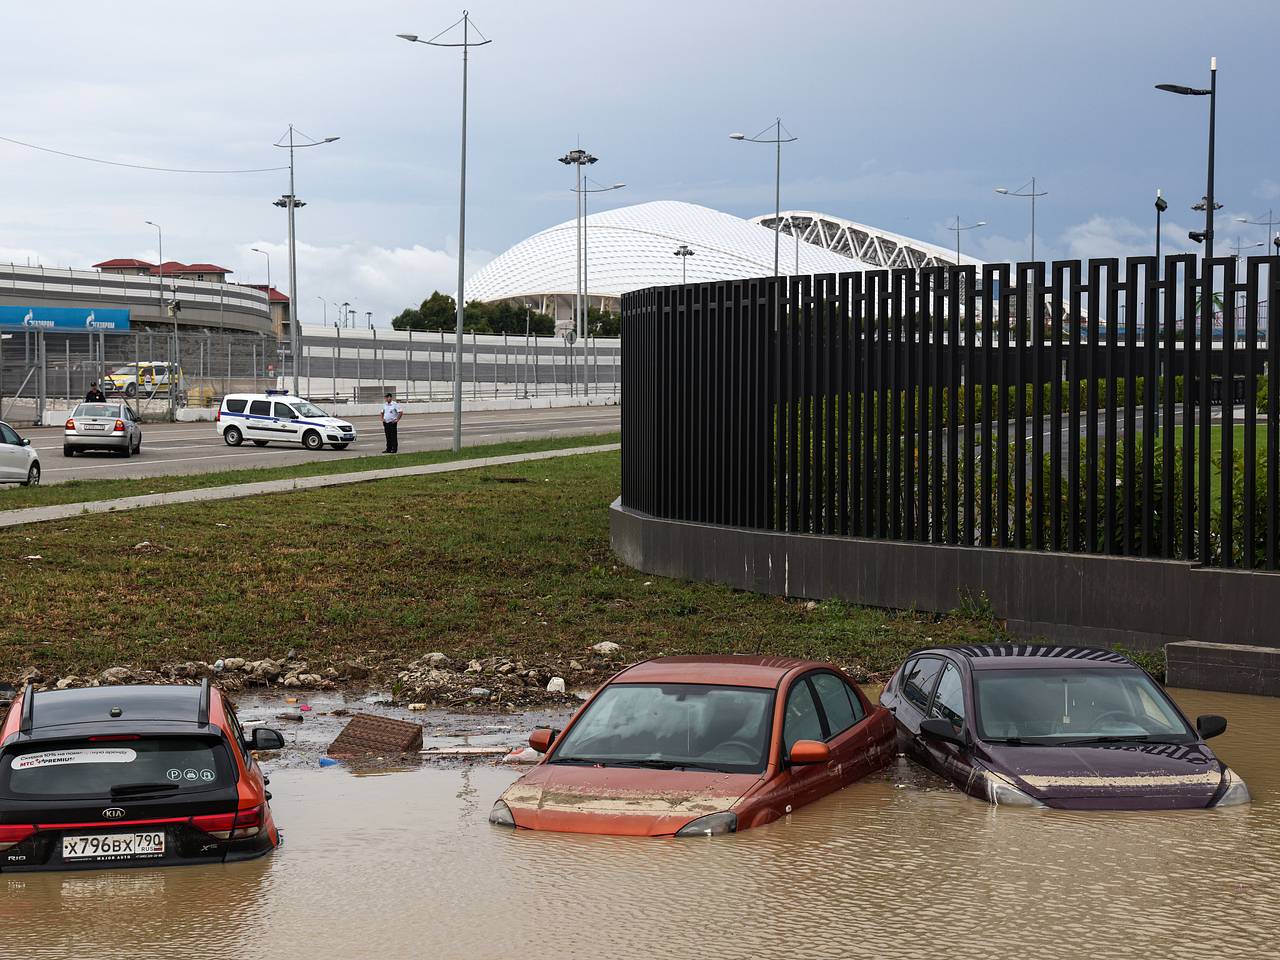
(278, 417)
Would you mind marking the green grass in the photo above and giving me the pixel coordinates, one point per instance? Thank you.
(510, 560)
(13, 497)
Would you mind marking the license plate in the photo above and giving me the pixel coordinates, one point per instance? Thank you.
(99, 427)
(113, 846)
(348, 436)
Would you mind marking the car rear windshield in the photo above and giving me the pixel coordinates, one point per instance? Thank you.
(673, 726)
(1068, 705)
(97, 410)
(115, 767)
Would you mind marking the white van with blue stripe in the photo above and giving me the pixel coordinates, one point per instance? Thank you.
(278, 417)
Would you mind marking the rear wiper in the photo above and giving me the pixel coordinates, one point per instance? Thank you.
(126, 789)
(1129, 738)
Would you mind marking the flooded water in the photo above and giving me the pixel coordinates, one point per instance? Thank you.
(404, 865)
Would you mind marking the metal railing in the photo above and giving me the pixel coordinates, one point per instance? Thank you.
(942, 406)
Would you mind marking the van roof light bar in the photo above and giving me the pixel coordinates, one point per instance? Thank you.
(206, 695)
(28, 719)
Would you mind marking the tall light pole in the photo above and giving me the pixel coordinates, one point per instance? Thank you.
(1023, 191)
(466, 44)
(958, 229)
(324, 305)
(175, 374)
(268, 256)
(290, 202)
(579, 158)
(778, 140)
(1209, 206)
(684, 253)
(583, 191)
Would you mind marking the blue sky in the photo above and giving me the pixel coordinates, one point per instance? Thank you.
(907, 114)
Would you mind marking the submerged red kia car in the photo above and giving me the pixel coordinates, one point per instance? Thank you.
(1045, 726)
(695, 746)
(131, 776)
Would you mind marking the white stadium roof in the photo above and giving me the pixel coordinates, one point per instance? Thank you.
(870, 245)
(633, 247)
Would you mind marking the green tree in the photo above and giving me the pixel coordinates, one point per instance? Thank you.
(438, 312)
(604, 323)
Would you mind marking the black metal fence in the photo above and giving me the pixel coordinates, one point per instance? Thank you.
(1097, 406)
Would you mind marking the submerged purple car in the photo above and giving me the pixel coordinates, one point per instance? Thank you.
(1044, 726)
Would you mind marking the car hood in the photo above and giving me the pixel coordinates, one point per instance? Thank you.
(327, 421)
(1130, 775)
(620, 800)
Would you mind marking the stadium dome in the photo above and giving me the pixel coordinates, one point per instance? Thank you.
(633, 247)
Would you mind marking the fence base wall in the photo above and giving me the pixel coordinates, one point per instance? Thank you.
(1064, 598)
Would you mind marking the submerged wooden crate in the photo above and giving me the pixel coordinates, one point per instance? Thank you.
(365, 735)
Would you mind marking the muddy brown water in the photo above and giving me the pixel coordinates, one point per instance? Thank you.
(403, 864)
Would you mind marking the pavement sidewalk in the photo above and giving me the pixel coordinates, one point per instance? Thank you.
(64, 511)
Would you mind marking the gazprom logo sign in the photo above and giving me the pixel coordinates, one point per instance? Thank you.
(64, 318)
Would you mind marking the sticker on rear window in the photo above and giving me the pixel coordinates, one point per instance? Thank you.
(60, 758)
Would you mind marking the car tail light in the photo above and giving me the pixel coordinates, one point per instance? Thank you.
(119, 425)
(217, 417)
(71, 424)
(12, 834)
(231, 826)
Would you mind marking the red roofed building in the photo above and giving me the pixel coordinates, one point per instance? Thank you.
(278, 304)
(172, 268)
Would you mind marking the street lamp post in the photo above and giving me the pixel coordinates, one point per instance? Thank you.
(268, 256)
(684, 253)
(1022, 191)
(582, 192)
(579, 158)
(175, 374)
(290, 202)
(324, 304)
(1269, 223)
(1209, 206)
(466, 44)
(958, 228)
(778, 140)
(1161, 206)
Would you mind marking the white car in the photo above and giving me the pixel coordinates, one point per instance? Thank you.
(277, 417)
(19, 462)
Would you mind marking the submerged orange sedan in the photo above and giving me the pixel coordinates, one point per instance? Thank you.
(698, 746)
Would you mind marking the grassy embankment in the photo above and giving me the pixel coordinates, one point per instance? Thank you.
(510, 560)
(83, 491)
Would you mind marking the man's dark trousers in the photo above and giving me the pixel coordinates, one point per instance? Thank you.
(393, 444)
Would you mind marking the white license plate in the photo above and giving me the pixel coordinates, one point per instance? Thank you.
(348, 436)
(113, 846)
(99, 427)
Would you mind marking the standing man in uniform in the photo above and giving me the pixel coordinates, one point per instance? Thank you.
(95, 394)
(391, 415)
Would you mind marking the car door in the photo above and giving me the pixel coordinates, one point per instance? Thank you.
(916, 685)
(802, 720)
(287, 426)
(949, 759)
(848, 738)
(259, 424)
(13, 458)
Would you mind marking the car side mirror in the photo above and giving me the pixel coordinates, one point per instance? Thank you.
(542, 738)
(266, 739)
(25, 441)
(804, 752)
(940, 729)
(1210, 725)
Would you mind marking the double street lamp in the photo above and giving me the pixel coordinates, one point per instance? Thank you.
(1031, 193)
(466, 45)
(290, 202)
(684, 253)
(1270, 223)
(778, 140)
(175, 378)
(958, 228)
(584, 327)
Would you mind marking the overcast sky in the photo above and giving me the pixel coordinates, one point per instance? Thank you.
(908, 114)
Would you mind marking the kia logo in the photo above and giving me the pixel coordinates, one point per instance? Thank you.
(113, 813)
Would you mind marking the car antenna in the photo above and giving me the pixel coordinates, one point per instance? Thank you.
(206, 694)
(27, 721)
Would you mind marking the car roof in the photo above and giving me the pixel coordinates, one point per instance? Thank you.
(57, 709)
(1004, 656)
(726, 670)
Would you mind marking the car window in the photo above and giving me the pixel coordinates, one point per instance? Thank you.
(8, 435)
(918, 679)
(237, 735)
(261, 407)
(285, 412)
(836, 702)
(802, 721)
(948, 702)
(236, 406)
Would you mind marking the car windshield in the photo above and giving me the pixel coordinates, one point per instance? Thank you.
(673, 726)
(127, 369)
(97, 410)
(115, 767)
(307, 409)
(1069, 706)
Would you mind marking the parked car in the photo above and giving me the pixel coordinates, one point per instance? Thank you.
(102, 426)
(1071, 727)
(19, 462)
(130, 776)
(149, 378)
(696, 746)
(277, 417)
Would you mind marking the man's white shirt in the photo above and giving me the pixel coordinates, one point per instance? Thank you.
(390, 412)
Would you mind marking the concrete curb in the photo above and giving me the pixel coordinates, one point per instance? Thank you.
(66, 511)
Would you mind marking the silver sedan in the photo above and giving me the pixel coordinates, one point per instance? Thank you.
(102, 426)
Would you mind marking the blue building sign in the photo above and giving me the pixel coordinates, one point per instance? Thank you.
(65, 318)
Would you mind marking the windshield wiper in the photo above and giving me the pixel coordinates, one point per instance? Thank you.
(654, 763)
(126, 789)
(1122, 738)
(1012, 741)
